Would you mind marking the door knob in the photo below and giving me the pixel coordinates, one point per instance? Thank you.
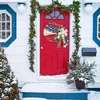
(41, 47)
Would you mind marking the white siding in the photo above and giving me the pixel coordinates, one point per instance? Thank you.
(17, 52)
(87, 38)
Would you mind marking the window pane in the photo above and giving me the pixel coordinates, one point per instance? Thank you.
(99, 35)
(52, 14)
(8, 18)
(99, 27)
(8, 26)
(8, 34)
(99, 19)
(3, 35)
(0, 26)
(3, 16)
(57, 13)
(0, 35)
(3, 26)
(0, 17)
(48, 17)
(61, 17)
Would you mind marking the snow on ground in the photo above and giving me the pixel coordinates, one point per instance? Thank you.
(93, 95)
(49, 88)
(54, 88)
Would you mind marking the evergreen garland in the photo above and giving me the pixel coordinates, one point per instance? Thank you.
(35, 6)
(32, 35)
(55, 4)
(76, 30)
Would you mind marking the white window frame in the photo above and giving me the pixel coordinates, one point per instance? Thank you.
(4, 11)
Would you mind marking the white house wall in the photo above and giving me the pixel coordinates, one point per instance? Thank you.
(17, 52)
(87, 38)
(47, 2)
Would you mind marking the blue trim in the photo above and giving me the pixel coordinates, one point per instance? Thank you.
(21, 3)
(89, 3)
(13, 14)
(94, 89)
(95, 15)
(74, 96)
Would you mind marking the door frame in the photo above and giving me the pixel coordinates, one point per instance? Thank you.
(57, 78)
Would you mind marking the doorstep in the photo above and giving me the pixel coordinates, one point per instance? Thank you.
(52, 91)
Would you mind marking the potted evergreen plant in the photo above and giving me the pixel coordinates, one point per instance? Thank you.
(81, 73)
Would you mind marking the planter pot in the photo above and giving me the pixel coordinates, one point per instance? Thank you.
(80, 84)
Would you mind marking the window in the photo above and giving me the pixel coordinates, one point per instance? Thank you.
(7, 25)
(54, 15)
(96, 27)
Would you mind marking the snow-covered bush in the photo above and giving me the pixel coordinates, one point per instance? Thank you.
(8, 82)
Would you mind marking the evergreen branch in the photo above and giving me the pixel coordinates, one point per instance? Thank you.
(35, 6)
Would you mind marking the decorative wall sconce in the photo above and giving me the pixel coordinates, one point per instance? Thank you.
(21, 7)
(88, 7)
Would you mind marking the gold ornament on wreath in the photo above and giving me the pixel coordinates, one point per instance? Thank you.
(58, 32)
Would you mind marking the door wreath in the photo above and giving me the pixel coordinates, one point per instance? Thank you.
(56, 33)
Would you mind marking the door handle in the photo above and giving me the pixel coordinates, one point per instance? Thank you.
(41, 47)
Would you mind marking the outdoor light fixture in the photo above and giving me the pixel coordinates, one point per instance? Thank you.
(88, 7)
(21, 7)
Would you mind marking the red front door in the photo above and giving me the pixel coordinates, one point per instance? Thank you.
(53, 59)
